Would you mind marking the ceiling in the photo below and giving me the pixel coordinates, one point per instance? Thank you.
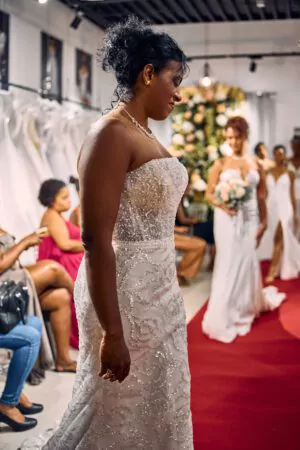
(105, 12)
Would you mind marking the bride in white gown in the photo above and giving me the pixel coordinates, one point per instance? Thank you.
(237, 296)
(282, 219)
(132, 388)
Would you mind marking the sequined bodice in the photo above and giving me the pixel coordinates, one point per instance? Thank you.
(150, 200)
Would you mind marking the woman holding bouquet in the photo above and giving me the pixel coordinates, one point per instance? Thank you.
(236, 188)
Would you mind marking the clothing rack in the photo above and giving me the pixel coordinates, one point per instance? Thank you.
(63, 99)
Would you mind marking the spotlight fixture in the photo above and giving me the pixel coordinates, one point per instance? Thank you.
(77, 20)
(260, 4)
(206, 81)
(253, 66)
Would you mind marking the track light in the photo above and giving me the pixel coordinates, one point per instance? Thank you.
(253, 66)
(260, 4)
(206, 81)
(77, 20)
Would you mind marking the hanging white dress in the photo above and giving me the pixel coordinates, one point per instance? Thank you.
(237, 296)
(280, 210)
(17, 206)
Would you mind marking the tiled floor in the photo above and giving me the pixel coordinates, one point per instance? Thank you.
(55, 391)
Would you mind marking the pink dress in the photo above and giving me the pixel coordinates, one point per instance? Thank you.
(48, 249)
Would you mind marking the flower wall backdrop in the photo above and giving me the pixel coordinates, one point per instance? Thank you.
(198, 133)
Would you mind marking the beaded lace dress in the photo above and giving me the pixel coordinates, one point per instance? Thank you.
(151, 408)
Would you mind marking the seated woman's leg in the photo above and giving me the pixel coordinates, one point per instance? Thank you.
(57, 302)
(194, 250)
(25, 341)
(49, 274)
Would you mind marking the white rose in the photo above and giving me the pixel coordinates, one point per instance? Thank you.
(200, 135)
(178, 118)
(213, 156)
(225, 149)
(199, 185)
(191, 104)
(188, 127)
(220, 96)
(178, 139)
(221, 120)
(212, 149)
(198, 99)
(240, 192)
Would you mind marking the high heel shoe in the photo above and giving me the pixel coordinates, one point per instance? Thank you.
(18, 426)
(35, 408)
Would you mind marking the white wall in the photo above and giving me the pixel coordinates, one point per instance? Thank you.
(278, 75)
(28, 18)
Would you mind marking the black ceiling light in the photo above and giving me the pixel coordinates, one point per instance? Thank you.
(77, 19)
(253, 66)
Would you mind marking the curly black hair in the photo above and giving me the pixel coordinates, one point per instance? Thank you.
(75, 181)
(257, 148)
(129, 46)
(278, 147)
(49, 190)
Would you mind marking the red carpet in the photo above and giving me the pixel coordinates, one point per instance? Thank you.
(246, 395)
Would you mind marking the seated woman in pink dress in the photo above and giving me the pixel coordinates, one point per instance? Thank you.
(63, 243)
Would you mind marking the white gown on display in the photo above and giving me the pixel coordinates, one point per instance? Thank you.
(151, 408)
(280, 209)
(237, 296)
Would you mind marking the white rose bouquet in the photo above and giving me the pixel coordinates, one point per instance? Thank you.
(233, 192)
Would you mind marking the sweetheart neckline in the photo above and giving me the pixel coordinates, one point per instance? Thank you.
(151, 161)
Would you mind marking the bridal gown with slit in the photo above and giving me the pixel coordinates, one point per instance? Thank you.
(280, 210)
(237, 296)
(151, 408)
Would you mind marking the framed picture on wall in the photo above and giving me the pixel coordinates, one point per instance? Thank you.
(51, 71)
(4, 49)
(84, 77)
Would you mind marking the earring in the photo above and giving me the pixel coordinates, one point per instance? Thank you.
(147, 82)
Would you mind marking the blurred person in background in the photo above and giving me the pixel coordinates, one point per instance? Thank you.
(262, 157)
(24, 340)
(63, 244)
(282, 219)
(75, 217)
(294, 166)
(50, 290)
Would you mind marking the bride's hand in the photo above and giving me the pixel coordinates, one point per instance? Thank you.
(230, 211)
(114, 358)
(259, 234)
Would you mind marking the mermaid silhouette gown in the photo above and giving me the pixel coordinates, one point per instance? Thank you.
(237, 296)
(151, 408)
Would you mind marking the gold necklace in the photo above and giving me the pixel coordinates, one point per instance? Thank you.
(138, 125)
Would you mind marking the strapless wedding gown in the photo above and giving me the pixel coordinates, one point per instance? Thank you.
(237, 296)
(151, 408)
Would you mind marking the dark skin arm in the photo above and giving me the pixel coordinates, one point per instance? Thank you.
(10, 256)
(293, 198)
(102, 169)
(262, 209)
(183, 219)
(213, 179)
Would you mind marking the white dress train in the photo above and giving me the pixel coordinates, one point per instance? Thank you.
(280, 210)
(237, 296)
(151, 408)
